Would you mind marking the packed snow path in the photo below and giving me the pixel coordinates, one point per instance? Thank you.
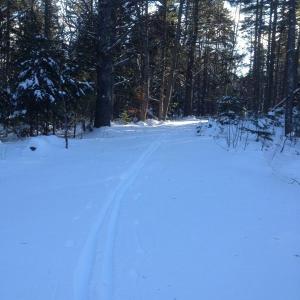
(145, 213)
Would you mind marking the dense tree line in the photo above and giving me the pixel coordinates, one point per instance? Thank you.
(272, 28)
(70, 61)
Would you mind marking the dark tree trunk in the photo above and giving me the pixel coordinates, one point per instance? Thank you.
(271, 59)
(174, 62)
(104, 67)
(291, 51)
(278, 74)
(257, 56)
(204, 79)
(47, 19)
(146, 65)
(188, 104)
(297, 58)
(8, 39)
(163, 61)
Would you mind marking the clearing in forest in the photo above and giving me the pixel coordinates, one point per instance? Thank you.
(145, 212)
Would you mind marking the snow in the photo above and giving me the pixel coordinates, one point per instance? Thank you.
(284, 159)
(28, 83)
(38, 94)
(148, 211)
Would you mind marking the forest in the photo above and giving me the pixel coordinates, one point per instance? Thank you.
(90, 62)
(149, 150)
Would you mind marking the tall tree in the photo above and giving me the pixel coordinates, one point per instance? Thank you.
(146, 63)
(189, 81)
(291, 51)
(104, 64)
(174, 62)
(271, 56)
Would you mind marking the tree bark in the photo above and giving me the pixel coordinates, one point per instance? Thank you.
(146, 65)
(163, 61)
(174, 62)
(47, 18)
(271, 60)
(204, 78)
(297, 58)
(8, 40)
(291, 51)
(188, 107)
(104, 67)
(257, 56)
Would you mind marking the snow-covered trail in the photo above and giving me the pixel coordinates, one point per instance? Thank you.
(96, 260)
(201, 223)
(143, 213)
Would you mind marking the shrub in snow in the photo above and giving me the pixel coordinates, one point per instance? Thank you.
(261, 127)
(230, 109)
(297, 121)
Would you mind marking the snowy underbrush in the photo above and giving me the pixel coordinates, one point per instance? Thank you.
(239, 133)
(78, 130)
(7, 134)
(284, 159)
(265, 134)
(153, 122)
(41, 145)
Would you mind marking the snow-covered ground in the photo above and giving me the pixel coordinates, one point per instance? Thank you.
(147, 213)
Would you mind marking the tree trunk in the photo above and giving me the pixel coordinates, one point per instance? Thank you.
(174, 62)
(8, 40)
(146, 65)
(163, 62)
(271, 59)
(104, 67)
(204, 79)
(297, 58)
(47, 19)
(257, 56)
(188, 107)
(291, 51)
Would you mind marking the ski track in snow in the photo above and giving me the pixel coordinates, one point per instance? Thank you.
(218, 224)
(94, 272)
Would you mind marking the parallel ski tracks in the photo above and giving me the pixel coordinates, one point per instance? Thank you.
(93, 278)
